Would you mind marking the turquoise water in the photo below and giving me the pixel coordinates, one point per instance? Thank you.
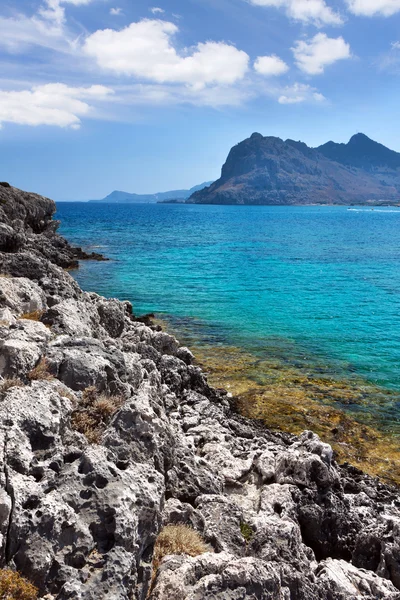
(315, 286)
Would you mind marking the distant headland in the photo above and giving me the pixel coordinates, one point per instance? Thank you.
(118, 197)
(268, 170)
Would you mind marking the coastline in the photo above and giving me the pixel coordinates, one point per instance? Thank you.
(287, 398)
(109, 432)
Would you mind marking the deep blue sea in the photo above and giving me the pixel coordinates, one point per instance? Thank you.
(314, 285)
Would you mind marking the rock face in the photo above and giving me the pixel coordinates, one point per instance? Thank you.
(27, 225)
(267, 170)
(283, 521)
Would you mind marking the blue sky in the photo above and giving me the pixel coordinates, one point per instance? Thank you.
(97, 95)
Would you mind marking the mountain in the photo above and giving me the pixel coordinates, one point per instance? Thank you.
(268, 170)
(362, 152)
(118, 197)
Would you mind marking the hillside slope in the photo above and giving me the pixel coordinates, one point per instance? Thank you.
(267, 170)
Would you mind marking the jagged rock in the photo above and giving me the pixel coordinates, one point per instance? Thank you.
(21, 295)
(84, 362)
(80, 520)
(10, 240)
(72, 317)
(21, 347)
(217, 576)
(339, 579)
(181, 513)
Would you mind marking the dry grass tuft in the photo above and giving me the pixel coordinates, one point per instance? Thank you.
(6, 275)
(94, 413)
(65, 393)
(35, 315)
(15, 587)
(41, 372)
(10, 382)
(177, 539)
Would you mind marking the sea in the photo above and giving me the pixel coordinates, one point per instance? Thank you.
(310, 293)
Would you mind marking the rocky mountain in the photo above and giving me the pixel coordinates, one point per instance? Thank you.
(117, 197)
(268, 170)
(363, 153)
(124, 475)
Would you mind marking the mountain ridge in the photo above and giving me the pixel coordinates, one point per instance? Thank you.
(268, 170)
(121, 197)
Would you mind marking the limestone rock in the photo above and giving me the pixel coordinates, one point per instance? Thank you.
(283, 521)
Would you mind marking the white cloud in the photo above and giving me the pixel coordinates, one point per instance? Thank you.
(50, 104)
(396, 45)
(307, 11)
(314, 55)
(20, 32)
(370, 8)
(145, 50)
(140, 94)
(53, 9)
(270, 65)
(116, 11)
(300, 92)
(46, 28)
(156, 10)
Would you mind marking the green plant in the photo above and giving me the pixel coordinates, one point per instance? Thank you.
(246, 531)
(15, 587)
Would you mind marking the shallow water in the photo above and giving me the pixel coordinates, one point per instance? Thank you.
(310, 293)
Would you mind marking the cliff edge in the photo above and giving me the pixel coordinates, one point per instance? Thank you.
(109, 433)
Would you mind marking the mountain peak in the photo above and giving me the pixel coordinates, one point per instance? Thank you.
(360, 138)
(256, 136)
(362, 152)
(268, 170)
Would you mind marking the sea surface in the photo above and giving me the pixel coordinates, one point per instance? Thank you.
(311, 290)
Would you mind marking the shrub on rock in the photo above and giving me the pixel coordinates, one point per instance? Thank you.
(15, 587)
(177, 539)
(41, 372)
(94, 413)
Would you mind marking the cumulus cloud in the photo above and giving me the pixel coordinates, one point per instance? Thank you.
(51, 104)
(115, 11)
(145, 49)
(320, 51)
(270, 65)
(307, 11)
(300, 92)
(157, 10)
(370, 8)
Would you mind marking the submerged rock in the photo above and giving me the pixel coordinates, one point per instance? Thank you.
(82, 501)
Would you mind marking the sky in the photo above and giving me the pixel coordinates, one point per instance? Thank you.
(98, 95)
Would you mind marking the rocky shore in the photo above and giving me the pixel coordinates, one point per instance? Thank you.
(109, 433)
